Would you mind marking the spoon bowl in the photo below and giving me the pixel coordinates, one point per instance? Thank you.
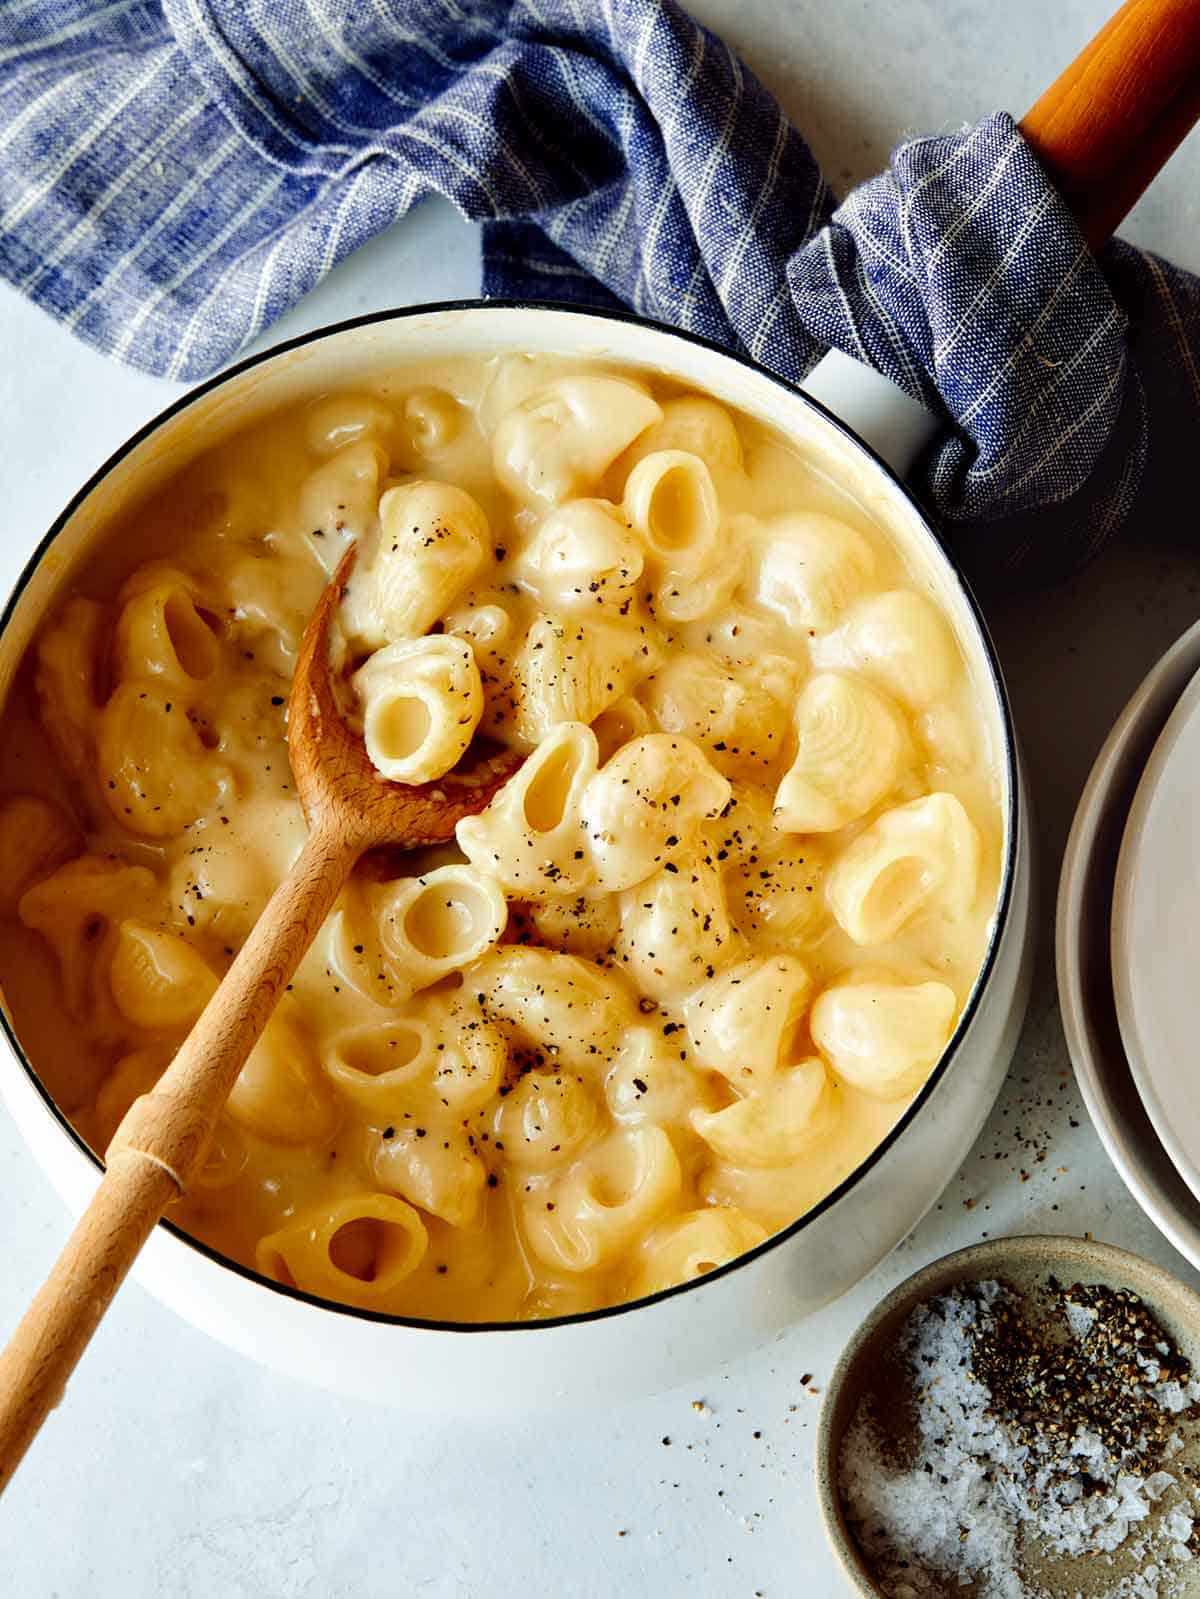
(338, 786)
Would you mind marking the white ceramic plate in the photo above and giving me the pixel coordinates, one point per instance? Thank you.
(1155, 942)
(1082, 953)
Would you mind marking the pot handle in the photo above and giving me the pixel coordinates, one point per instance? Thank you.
(1102, 130)
(894, 424)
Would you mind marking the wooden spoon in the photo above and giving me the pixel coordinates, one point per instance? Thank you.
(163, 1140)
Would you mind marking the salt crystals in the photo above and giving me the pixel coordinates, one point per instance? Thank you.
(1017, 1437)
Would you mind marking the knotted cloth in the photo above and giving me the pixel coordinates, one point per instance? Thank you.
(175, 173)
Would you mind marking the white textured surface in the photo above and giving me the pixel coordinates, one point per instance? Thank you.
(175, 1468)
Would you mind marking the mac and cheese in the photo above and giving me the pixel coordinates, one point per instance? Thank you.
(673, 984)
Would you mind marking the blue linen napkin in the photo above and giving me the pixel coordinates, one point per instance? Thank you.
(176, 173)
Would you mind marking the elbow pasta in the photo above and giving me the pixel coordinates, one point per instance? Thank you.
(665, 992)
(530, 838)
(918, 858)
(421, 703)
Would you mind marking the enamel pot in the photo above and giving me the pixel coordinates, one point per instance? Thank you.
(861, 432)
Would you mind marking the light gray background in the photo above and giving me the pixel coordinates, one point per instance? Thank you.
(176, 1468)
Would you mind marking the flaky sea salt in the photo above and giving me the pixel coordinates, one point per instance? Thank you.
(973, 1488)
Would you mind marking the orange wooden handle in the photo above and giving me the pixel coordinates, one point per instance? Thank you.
(1107, 125)
(160, 1145)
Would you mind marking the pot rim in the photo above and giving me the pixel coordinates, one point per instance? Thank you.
(1014, 817)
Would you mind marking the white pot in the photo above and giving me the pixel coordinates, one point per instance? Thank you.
(639, 1348)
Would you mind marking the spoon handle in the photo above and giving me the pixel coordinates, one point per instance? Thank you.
(1113, 117)
(160, 1145)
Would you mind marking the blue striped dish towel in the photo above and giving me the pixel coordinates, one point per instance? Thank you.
(176, 173)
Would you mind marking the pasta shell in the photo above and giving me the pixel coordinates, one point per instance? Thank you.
(744, 1024)
(546, 1119)
(675, 930)
(697, 424)
(157, 979)
(431, 420)
(558, 443)
(605, 1202)
(917, 857)
(739, 717)
(163, 633)
(35, 837)
(582, 556)
(642, 810)
(470, 1068)
(671, 501)
(553, 1007)
(850, 747)
(903, 644)
(69, 653)
(624, 720)
(578, 924)
(76, 910)
(776, 894)
(810, 567)
(692, 1245)
(792, 1113)
(421, 702)
(280, 1093)
(384, 1066)
(743, 828)
(648, 1082)
(134, 1074)
(573, 670)
(435, 1168)
(160, 777)
(530, 838)
(226, 1158)
(439, 922)
(884, 1037)
(336, 420)
(433, 539)
(342, 494)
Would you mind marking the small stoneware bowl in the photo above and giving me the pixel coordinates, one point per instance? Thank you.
(1025, 1263)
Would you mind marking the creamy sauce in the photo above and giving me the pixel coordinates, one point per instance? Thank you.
(171, 758)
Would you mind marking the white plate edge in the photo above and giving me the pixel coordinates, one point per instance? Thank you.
(1178, 722)
(1074, 876)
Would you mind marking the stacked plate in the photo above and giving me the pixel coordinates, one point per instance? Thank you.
(1128, 944)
